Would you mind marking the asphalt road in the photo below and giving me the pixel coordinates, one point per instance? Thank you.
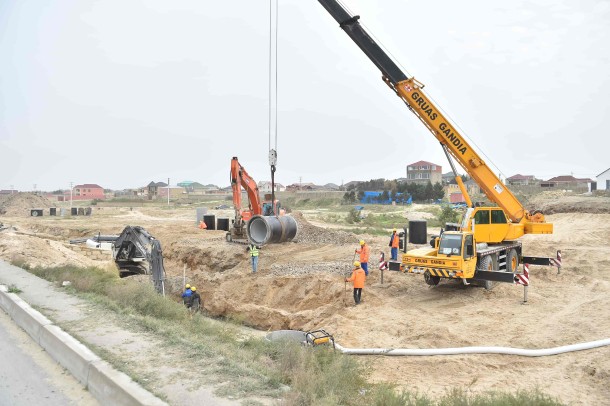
(29, 376)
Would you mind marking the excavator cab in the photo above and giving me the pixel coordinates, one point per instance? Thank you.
(269, 210)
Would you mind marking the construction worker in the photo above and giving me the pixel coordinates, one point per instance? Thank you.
(187, 296)
(394, 239)
(202, 225)
(364, 252)
(253, 249)
(195, 300)
(358, 277)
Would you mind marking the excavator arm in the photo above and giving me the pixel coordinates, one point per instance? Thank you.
(410, 91)
(239, 179)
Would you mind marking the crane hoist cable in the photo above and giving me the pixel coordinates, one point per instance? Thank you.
(273, 34)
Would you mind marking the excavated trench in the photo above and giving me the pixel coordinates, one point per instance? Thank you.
(294, 288)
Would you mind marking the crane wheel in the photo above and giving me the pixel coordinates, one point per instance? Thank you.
(512, 261)
(486, 264)
(431, 280)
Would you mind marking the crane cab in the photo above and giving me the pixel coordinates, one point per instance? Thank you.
(490, 225)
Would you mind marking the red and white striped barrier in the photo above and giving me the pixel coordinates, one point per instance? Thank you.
(556, 262)
(383, 264)
(524, 278)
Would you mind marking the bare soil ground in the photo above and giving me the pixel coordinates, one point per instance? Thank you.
(300, 286)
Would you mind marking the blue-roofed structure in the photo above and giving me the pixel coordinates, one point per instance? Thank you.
(375, 198)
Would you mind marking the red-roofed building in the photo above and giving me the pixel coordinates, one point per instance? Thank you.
(519, 179)
(567, 182)
(87, 191)
(424, 172)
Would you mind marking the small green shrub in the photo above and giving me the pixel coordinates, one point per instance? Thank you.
(353, 216)
(448, 215)
(14, 289)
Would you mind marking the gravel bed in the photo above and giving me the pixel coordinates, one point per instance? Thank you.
(311, 234)
(293, 269)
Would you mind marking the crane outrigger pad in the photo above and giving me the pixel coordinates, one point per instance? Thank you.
(494, 276)
(537, 261)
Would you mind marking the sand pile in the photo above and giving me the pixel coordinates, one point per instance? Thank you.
(558, 202)
(19, 204)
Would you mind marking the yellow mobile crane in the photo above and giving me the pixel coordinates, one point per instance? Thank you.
(484, 246)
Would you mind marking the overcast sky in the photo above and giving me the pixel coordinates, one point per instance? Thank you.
(124, 92)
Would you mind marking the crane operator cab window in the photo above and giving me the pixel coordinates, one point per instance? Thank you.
(451, 244)
(498, 217)
(490, 225)
(481, 217)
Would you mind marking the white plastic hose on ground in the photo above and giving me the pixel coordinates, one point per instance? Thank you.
(475, 350)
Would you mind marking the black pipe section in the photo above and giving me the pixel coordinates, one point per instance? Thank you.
(354, 30)
(263, 230)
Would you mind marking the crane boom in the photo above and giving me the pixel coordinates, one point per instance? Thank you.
(484, 248)
(410, 91)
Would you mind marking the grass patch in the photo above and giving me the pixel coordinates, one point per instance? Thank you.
(299, 203)
(13, 289)
(247, 366)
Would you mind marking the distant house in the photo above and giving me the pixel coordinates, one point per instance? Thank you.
(265, 187)
(174, 192)
(448, 177)
(424, 172)
(452, 188)
(88, 191)
(519, 179)
(153, 189)
(603, 180)
(127, 192)
(566, 182)
(295, 187)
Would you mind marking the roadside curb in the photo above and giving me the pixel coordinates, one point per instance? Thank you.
(106, 384)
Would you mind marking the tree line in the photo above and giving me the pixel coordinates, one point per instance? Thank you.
(394, 190)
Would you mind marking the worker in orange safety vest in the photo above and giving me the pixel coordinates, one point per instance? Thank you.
(364, 252)
(358, 277)
(394, 239)
(202, 225)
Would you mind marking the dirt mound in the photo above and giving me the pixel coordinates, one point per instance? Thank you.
(19, 204)
(559, 202)
(309, 233)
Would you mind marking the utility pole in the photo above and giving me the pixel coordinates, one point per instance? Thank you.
(12, 188)
(70, 197)
(167, 192)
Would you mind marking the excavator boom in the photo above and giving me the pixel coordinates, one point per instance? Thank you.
(239, 179)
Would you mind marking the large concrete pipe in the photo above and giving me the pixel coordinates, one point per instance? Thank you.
(270, 229)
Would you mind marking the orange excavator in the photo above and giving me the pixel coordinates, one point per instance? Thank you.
(240, 179)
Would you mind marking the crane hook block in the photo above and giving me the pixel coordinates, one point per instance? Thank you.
(272, 157)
